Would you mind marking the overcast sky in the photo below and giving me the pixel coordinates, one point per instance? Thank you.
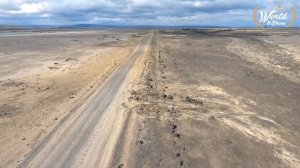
(134, 12)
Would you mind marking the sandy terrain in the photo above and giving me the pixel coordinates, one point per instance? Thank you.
(86, 137)
(45, 76)
(214, 98)
(192, 98)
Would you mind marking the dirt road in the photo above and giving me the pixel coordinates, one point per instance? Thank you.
(84, 138)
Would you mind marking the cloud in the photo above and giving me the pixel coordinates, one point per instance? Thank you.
(32, 8)
(168, 12)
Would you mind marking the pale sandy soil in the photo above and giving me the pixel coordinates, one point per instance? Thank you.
(45, 77)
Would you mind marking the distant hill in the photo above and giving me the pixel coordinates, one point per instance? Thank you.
(95, 26)
(137, 26)
(9, 27)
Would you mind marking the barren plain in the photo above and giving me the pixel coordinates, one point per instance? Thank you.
(44, 76)
(216, 99)
(211, 98)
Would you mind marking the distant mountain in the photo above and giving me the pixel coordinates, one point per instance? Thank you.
(137, 26)
(96, 26)
(10, 27)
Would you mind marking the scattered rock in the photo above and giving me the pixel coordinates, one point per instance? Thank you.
(177, 135)
(133, 92)
(13, 83)
(53, 68)
(212, 117)
(165, 96)
(70, 59)
(228, 141)
(148, 78)
(181, 163)
(150, 86)
(174, 127)
(193, 101)
(173, 110)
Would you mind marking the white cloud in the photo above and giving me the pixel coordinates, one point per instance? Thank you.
(32, 8)
(138, 3)
(127, 11)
